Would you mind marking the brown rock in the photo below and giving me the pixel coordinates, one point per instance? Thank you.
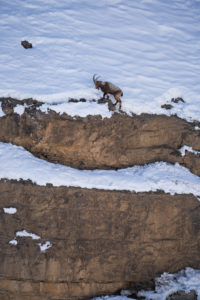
(182, 295)
(110, 143)
(192, 161)
(77, 100)
(167, 106)
(111, 106)
(178, 99)
(26, 44)
(8, 104)
(102, 240)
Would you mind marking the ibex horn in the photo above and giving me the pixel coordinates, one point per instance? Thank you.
(95, 79)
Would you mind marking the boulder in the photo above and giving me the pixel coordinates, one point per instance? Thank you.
(26, 44)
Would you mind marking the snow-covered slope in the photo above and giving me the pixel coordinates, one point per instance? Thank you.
(150, 48)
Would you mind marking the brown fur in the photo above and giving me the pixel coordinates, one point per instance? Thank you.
(109, 88)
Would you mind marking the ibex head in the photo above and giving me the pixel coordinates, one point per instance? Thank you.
(96, 82)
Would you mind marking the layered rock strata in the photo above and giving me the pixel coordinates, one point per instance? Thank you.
(95, 143)
(102, 241)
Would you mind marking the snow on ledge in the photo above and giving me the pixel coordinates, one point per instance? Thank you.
(24, 233)
(19, 109)
(10, 210)
(168, 284)
(189, 149)
(1, 112)
(165, 285)
(17, 163)
(13, 242)
(81, 109)
(45, 246)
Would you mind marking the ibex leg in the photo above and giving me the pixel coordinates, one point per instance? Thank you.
(118, 99)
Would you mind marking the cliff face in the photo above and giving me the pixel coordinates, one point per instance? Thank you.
(89, 143)
(101, 240)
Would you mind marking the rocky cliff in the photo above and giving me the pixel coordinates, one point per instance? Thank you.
(102, 241)
(92, 142)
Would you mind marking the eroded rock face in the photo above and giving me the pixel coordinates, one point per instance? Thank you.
(102, 241)
(90, 143)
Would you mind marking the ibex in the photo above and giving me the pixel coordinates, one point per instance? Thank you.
(109, 88)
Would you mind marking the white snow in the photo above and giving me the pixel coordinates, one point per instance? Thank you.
(13, 242)
(1, 111)
(197, 127)
(19, 109)
(81, 109)
(189, 149)
(24, 233)
(150, 49)
(10, 210)
(18, 163)
(167, 284)
(112, 298)
(45, 246)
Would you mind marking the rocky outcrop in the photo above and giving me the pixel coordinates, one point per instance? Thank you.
(102, 241)
(182, 295)
(92, 142)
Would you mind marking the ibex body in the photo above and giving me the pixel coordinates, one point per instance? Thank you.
(109, 88)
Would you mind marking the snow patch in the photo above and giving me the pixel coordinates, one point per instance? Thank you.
(18, 163)
(1, 112)
(13, 242)
(45, 246)
(81, 109)
(19, 109)
(112, 298)
(189, 149)
(24, 233)
(167, 284)
(10, 210)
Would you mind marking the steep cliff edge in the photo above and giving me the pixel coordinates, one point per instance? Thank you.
(92, 142)
(101, 240)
